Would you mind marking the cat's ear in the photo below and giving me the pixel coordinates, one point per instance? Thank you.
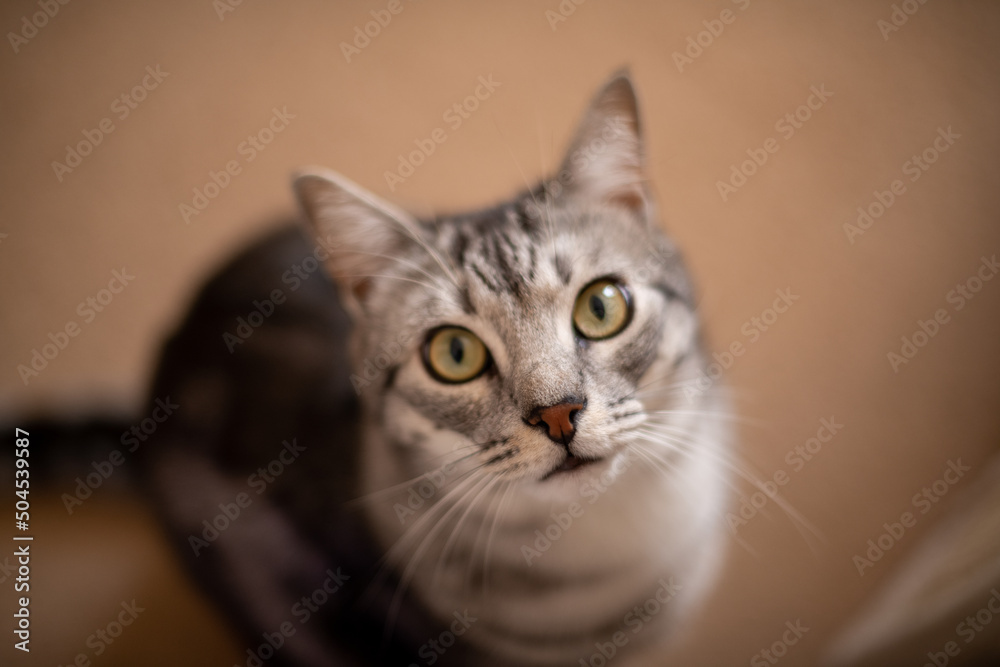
(361, 232)
(606, 161)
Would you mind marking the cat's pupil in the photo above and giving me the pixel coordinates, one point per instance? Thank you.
(457, 350)
(597, 306)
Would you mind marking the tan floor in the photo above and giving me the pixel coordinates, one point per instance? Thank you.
(211, 81)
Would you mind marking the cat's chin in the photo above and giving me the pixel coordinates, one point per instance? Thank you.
(569, 466)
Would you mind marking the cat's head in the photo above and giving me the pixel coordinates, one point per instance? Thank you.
(530, 339)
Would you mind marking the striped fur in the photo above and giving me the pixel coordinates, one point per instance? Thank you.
(648, 511)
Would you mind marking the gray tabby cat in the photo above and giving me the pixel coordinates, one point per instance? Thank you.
(524, 450)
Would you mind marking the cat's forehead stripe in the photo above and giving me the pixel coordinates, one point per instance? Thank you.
(499, 254)
(504, 248)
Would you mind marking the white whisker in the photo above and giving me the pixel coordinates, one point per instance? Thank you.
(404, 279)
(449, 543)
(402, 486)
(669, 436)
(463, 488)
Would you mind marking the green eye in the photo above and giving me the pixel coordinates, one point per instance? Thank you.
(455, 355)
(601, 310)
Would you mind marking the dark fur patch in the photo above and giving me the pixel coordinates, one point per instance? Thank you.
(564, 268)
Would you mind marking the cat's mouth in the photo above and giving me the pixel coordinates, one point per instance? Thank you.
(569, 464)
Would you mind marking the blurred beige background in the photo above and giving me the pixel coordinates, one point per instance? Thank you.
(222, 75)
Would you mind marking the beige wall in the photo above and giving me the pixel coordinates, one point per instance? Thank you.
(783, 229)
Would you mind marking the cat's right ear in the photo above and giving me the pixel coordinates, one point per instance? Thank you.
(361, 232)
(606, 159)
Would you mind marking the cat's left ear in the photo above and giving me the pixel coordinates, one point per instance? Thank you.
(606, 160)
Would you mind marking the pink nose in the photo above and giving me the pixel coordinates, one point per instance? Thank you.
(559, 420)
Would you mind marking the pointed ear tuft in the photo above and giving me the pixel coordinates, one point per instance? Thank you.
(362, 231)
(606, 161)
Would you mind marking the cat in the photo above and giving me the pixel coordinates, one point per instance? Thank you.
(462, 440)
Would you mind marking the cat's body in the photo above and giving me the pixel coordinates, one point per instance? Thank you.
(524, 453)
